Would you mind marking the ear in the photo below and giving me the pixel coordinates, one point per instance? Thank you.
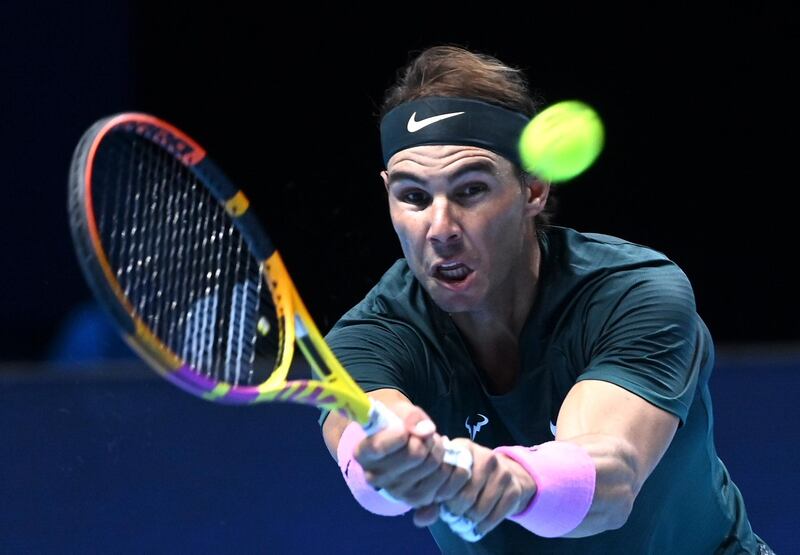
(385, 177)
(537, 191)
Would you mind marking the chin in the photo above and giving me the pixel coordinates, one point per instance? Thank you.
(452, 301)
(451, 305)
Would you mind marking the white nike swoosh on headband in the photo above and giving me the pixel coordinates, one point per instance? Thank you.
(414, 125)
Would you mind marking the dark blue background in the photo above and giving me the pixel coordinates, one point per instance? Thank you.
(109, 459)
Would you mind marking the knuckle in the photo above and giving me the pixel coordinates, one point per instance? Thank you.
(468, 499)
(472, 515)
(454, 506)
(417, 451)
(429, 464)
(419, 498)
(485, 527)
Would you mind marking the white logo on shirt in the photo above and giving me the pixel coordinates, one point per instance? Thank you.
(473, 430)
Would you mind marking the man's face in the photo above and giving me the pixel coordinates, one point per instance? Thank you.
(463, 220)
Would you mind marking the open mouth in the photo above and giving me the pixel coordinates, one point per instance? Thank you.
(452, 273)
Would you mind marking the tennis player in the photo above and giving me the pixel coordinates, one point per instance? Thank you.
(553, 384)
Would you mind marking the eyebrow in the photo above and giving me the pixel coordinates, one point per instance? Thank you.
(485, 167)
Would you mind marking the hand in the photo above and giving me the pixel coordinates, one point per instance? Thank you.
(407, 461)
(499, 487)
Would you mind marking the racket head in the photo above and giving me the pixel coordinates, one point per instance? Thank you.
(169, 246)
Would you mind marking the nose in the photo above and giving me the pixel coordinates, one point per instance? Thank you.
(444, 226)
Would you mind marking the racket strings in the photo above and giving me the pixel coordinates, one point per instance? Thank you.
(184, 268)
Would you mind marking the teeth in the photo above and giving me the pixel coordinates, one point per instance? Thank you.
(458, 272)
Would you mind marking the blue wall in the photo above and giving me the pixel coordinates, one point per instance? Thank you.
(111, 459)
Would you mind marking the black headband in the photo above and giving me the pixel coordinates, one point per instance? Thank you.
(452, 121)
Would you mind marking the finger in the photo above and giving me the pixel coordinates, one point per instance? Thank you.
(495, 501)
(406, 466)
(452, 458)
(418, 423)
(483, 507)
(381, 445)
(455, 482)
(424, 491)
(426, 516)
(505, 506)
(459, 457)
(417, 485)
(468, 495)
(497, 486)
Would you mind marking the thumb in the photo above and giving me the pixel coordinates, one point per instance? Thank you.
(418, 423)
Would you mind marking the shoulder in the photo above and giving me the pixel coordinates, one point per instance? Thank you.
(395, 309)
(579, 264)
(397, 297)
(593, 283)
(588, 251)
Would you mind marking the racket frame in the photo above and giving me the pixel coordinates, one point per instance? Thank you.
(334, 389)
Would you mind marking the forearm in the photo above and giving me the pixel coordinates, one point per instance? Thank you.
(617, 482)
(625, 437)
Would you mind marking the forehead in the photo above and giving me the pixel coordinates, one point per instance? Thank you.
(434, 160)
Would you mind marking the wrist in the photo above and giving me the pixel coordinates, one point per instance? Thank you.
(564, 474)
(526, 482)
(374, 501)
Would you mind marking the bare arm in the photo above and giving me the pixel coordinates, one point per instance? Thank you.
(626, 437)
(623, 434)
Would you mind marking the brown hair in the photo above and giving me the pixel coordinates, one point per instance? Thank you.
(454, 71)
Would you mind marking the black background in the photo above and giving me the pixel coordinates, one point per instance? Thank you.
(699, 160)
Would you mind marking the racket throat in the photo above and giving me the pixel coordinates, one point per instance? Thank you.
(301, 332)
(303, 338)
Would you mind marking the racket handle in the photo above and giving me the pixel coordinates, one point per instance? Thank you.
(380, 417)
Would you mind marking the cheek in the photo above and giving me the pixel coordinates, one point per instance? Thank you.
(407, 230)
(502, 233)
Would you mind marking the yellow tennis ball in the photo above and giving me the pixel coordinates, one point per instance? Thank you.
(561, 141)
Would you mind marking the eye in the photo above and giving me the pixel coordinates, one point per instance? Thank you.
(417, 198)
(472, 190)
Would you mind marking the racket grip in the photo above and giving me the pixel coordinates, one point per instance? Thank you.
(380, 417)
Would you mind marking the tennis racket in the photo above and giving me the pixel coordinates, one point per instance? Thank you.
(172, 249)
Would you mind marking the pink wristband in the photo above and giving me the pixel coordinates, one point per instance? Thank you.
(367, 496)
(565, 479)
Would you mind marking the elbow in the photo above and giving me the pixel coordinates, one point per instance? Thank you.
(619, 478)
(625, 481)
(618, 483)
(610, 513)
(619, 514)
(622, 483)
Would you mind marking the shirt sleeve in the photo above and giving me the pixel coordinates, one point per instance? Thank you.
(376, 354)
(643, 334)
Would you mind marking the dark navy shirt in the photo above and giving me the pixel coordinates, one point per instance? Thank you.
(605, 309)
